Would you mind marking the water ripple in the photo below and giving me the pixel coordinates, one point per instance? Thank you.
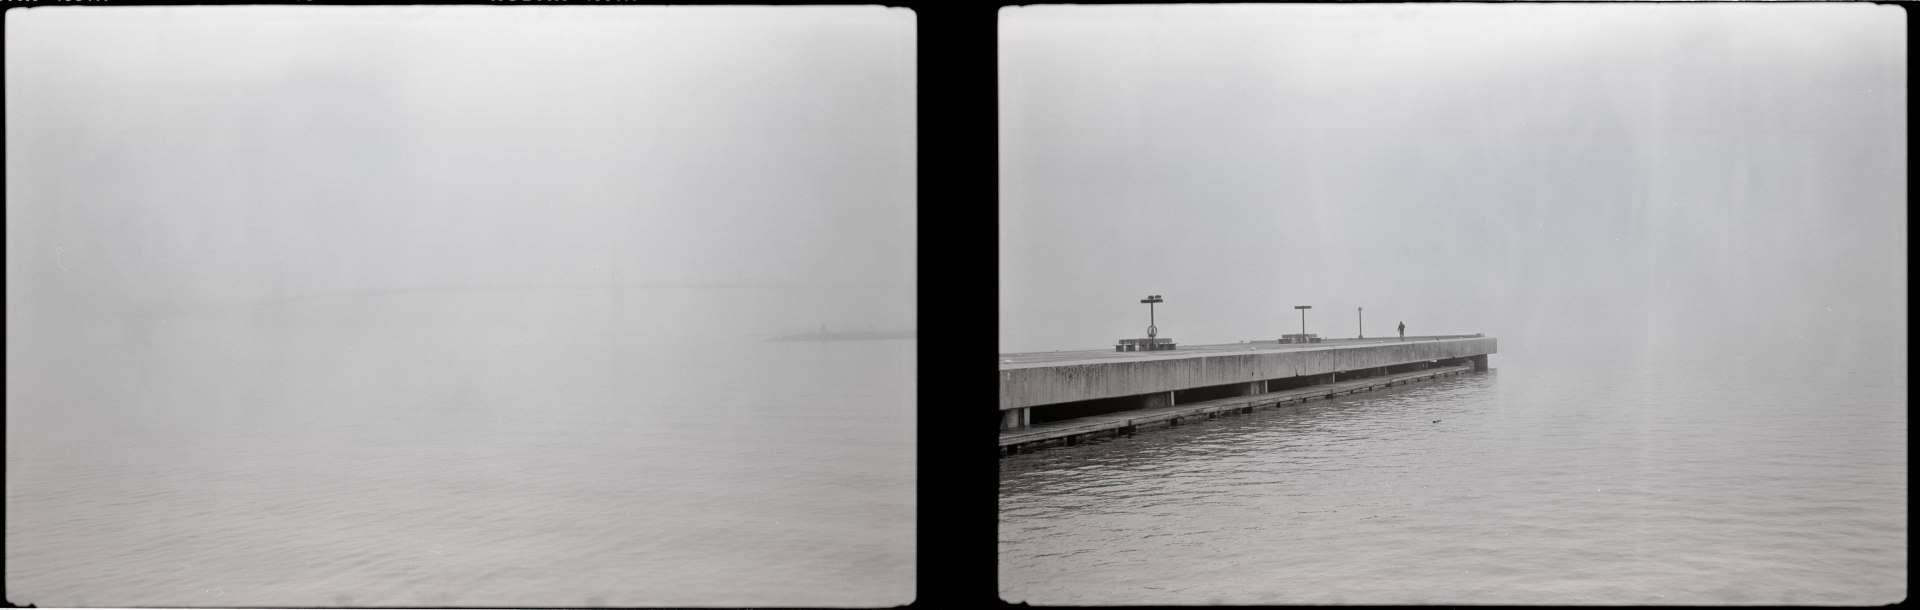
(1545, 486)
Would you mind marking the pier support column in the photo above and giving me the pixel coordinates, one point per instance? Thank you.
(1480, 363)
(1015, 419)
(1255, 388)
(1156, 399)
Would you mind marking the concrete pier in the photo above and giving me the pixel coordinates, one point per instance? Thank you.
(1066, 395)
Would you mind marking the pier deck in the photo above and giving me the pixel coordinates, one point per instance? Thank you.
(1062, 397)
(1039, 380)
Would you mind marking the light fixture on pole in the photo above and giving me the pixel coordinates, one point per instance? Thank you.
(1303, 320)
(1152, 330)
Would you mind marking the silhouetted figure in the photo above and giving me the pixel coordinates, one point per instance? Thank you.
(1403, 331)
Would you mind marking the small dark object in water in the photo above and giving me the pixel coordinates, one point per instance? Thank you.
(1436, 421)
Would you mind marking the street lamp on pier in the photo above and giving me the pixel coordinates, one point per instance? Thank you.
(1152, 330)
(1303, 320)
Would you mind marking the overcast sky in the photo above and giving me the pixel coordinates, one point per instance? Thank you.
(186, 156)
(1541, 173)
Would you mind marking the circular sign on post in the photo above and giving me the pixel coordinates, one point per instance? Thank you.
(1152, 331)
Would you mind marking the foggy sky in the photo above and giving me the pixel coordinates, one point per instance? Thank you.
(167, 157)
(1645, 175)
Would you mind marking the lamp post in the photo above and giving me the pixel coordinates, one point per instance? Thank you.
(1303, 320)
(1152, 330)
(1362, 313)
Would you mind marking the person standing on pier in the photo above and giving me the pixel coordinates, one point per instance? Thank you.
(1403, 330)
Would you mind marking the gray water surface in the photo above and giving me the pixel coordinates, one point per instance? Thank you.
(1762, 476)
(468, 450)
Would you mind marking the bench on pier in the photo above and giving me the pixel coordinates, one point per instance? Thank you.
(1143, 345)
(1300, 338)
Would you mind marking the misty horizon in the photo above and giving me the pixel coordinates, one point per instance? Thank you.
(1737, 171)
(601, 146)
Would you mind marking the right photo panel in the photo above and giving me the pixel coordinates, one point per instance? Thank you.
(1529, 304)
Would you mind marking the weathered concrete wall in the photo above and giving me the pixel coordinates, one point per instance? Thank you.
(1044, 385)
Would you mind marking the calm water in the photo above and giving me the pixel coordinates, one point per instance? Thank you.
(455, 451)
(1553, 479)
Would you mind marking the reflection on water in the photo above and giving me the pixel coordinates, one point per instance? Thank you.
(485, 453)
(1544, 481)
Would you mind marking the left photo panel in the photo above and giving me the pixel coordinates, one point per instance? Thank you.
(539, 306)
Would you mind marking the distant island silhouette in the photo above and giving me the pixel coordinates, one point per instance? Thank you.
(848, 335)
